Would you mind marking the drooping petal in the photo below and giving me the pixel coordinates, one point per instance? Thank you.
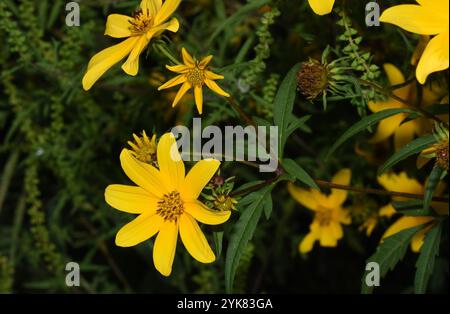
(306, 245)
(140, 229)
(198, 177)
(395, 76)
(406, 222)
(118, 26)
(144, 175)
(173, 25)
(194, 240)
(213, 76)
(167, 9)
(321, 7)
(336, 230)
(215, 88)
(303, 196)
(177, 80)
(180, 68)
(415, 19)
(400, 183)
(338, 196)
(434, 58)
(165, 247)
(187, 58)
(183, 90)
(152, 6)
(404, 134)
(201, 213)
(198, 93)
(327, 238)
(171, 165)
(344, 217)
(387, 211)
(205, 61)
(105, 59)
(131, 66)
(130, 199)
(387, 127)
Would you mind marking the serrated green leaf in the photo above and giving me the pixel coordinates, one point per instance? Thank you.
(363, 124)
(243, 232)
(283, 105)
(295, 170)
(433, 181)
(427, 257)
(412, 148)
(389, 253)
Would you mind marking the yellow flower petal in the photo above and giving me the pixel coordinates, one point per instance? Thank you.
(173, 25)
(416, 19)
(164, 247)
(387, 127)
(321, 7)
(344, 217)
(404, 134)
(307, 243)
(434, 58)
(181, 68)
(198, 93)
(194, 240)
(395, 76)
(327, 238)
(337, 196)
(140, 229)
(131, 66)
(153, 6)
(166, 11)
(183, 90)
(130, 199)
(406, 222)
(118, 26)
(144, 175)
(387, 211)
(205, 61)
(400, 183)
(187, 58)
(171, 165)
(215, 88)
(336, 230)
(213, 76)
(418, 239)
(177, 80)
(105, 59)
(303, 197)
(201, 213)
(198, 177)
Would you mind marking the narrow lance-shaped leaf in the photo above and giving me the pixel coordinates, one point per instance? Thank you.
(389, 253)
(243, 232)
(410, 149)
(433, 181)
(283, 105)
(363, 125)
(427, 257)
(295, 170)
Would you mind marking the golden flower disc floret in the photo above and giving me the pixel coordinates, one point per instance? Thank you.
(142, 22)
(196, 77)
(324, 217)
(171, 206)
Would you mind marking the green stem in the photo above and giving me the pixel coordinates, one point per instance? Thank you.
(167, 53)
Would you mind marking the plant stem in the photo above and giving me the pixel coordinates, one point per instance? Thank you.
(167, 53)
(327, 184)
(238, 109)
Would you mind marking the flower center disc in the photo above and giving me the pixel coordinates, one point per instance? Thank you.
(324, 217)
(195, 77)
(442, 154)
(142, 22)
(171, 206)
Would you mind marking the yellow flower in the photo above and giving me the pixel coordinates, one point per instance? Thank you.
(143, 148)
(193, 74)
(403, 132)
(429, 17)
(321, 7)
(328, 212)
(166, 201)
(402, 183)
(150, 21)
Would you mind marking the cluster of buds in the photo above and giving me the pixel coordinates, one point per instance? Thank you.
(220, 197)
(144, 149)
